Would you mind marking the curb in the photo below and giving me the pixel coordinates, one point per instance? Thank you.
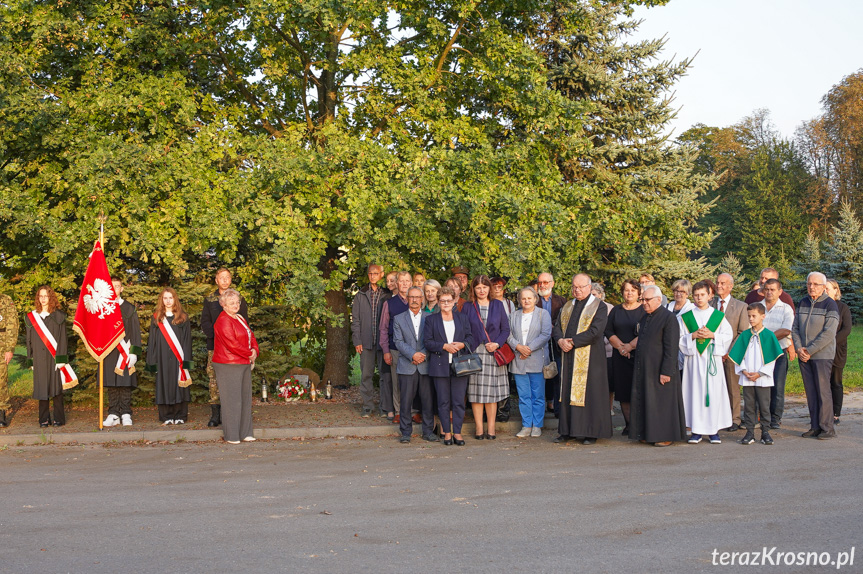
(97, 437)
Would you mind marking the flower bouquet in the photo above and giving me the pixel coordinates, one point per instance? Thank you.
(291, 390)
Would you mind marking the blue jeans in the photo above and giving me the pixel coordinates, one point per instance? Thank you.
(531, 399)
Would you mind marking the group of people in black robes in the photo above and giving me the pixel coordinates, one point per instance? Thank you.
(168, 357)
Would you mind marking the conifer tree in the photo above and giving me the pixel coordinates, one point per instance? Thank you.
(843, 258)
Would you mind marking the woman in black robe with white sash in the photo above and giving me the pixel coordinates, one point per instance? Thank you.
(47, 352)
(169, 355)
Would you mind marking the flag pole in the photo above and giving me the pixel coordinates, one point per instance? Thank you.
(102, 219)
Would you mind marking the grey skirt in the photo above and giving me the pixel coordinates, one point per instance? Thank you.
(492, 384)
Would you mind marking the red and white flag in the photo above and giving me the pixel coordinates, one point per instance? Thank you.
(98, 319)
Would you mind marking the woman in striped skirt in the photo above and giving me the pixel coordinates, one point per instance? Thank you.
(490, 327)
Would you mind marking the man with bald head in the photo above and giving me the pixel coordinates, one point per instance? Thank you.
(737, 317)
(814, 335)
(578, 333)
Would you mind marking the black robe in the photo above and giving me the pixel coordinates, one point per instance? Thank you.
(161, 360)
(593, 420)
(47, 380)
(657, 412)
(132, 326)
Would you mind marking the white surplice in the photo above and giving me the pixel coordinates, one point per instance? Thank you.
(702, 419)
(753, 361)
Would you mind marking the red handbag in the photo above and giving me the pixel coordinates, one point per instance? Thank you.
(504, 354)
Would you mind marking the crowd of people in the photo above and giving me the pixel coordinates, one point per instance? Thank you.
(676, 367)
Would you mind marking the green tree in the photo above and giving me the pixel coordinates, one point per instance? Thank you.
(763, 200)
(297, 142)
(843, 258)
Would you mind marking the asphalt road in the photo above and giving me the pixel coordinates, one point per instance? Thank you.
(373, 505)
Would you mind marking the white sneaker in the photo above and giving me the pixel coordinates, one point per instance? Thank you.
(536, 431)
(127, 420)
(167, 422)
(111, 420)
(524, 432)
(249, 439)
(179, 422)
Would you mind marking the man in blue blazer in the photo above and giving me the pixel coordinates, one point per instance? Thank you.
(412, 367)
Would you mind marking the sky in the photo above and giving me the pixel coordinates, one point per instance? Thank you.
(780, 55)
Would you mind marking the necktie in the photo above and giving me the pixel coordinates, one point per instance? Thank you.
(722, 305)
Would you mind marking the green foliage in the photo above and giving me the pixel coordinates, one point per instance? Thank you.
(731, 264)
(842, 258)
(296, 142)
(762, 202)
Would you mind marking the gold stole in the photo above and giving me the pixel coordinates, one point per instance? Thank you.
(581, 355)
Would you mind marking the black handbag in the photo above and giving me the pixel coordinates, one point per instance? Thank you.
(464, 365)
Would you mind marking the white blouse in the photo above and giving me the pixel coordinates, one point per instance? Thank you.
(449, 329)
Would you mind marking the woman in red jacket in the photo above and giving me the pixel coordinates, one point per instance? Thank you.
(233, 359)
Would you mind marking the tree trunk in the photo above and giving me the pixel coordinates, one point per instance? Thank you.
(338, 336)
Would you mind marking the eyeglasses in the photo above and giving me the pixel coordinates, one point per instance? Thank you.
(445, 301)
(580, 287)
(415, 297)
(680, 291)
(643, 299)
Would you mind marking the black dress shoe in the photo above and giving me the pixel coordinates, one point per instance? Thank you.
(431, 437)
(43, 425)
(447, 442)
(56, 424)
(560, 439)
(458, 441)
(404, 439)
(479, 436)
(733, 428)
(811, 433)
(490, 436)
(827, 435)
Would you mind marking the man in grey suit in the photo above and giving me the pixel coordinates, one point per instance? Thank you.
(736, 315)
(412, 367)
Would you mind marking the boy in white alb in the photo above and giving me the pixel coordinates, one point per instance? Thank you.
(754, 353)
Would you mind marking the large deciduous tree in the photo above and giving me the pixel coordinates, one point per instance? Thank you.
(299, 141)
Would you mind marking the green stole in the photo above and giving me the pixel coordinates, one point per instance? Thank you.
(770, 348)
(581, 355)
(713, 323)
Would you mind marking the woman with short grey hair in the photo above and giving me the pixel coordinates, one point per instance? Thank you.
(529, 333)
(431, 289)
(681, 289)
(234, 355)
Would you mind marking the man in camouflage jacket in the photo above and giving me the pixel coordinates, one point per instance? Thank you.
(8, 339)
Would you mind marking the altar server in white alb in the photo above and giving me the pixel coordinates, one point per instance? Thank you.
(120, 376)
(705, 337)
(47, 348)
(169, 355)
(754, 355)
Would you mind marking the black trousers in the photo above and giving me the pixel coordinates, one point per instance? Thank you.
(119, 400)
(836, 388)
(816, 383)
(411, 386)
(174, 412)
(451, 395)
(754, 399)
(45, 411)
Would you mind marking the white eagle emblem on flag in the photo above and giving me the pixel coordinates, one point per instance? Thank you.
(100, 299)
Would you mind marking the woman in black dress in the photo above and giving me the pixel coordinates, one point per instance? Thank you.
(47, 348)
(620, 332)
(842, 332)
(169, 355)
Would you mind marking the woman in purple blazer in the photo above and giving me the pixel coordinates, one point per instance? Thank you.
(444, 334)
(485, 389)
